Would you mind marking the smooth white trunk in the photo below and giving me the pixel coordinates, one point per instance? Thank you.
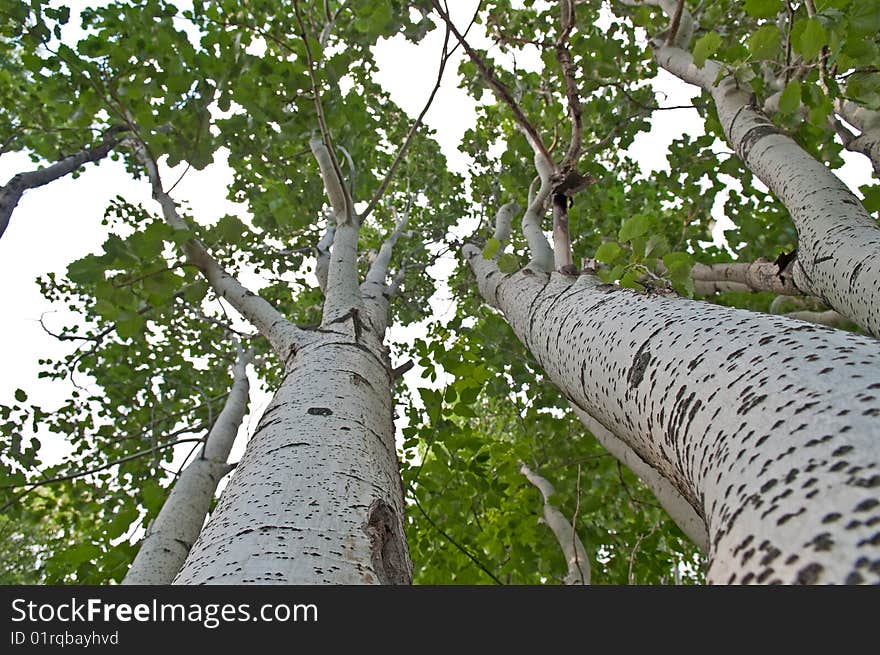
(174, 531)
(838, 256)
(768, 426)
(572, 547)
(317, 496)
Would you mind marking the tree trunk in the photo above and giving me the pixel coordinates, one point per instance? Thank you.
(176, 528)
(767, 426)
(317, 497)
(838, 257)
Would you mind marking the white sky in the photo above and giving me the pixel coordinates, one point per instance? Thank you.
(60, 223)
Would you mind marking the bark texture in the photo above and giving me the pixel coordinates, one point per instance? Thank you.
(677, 506)
(838, 256)
(767, 426)
(175, 529)
(317, 497)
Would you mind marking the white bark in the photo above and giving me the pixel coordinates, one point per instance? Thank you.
(504, 225)
(173, 532)
(838, 242)
(539, 248)
(868, 123)
(341, 295)
(374, 290)
(752, 276)
(768, 426)
(828, 317)
(572, 547)
(317, 496)
(322, 265)
(670, 499)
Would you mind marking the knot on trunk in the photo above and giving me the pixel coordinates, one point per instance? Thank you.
(387, 544)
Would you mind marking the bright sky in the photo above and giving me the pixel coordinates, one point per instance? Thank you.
(60, 223)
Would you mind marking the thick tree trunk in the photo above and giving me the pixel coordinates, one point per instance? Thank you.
(768, 426)
(176, 528)
(838, 256)
(15, 188)
(317, 496)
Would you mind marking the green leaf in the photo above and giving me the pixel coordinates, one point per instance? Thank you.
(608, 252)
(764, 42)
(129, 325)
(763, 8)
(193, 293)
(811, 40)
(872, 197)
(706, 46)
(508, 263)
(634, 227)
(462, 409)
(656, 246)
(153, 495)
(80, 553)
(492, 246)
(87, 270)
(790, 100)
(20, 395)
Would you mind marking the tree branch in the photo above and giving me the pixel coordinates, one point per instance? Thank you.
(380, 191)
(501, 91)
(12, 192)
(282, 334)
(572, 547)
(346, 206)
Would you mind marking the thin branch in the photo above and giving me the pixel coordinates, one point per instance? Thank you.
(676, 22)
(41, 483)
(501, 91)
(452, 541)
(380, 191)
(319, 107)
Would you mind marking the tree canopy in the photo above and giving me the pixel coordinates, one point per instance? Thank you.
(153, 344)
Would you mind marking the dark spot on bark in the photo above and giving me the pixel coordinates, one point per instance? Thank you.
(822, 542)
(865, 505)
(750, 138)
(831, 518)
(637, 370)
(809, 574)
(854, 578)
(319, 411)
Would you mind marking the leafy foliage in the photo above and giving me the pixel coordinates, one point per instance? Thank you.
(150, 368)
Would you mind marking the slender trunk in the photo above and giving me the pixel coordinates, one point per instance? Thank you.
(867, 122)
(15, 188)
(317, 496)
(768, 426)
(561, 240)
(175, 529)
(838, 256)
(572, 547)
